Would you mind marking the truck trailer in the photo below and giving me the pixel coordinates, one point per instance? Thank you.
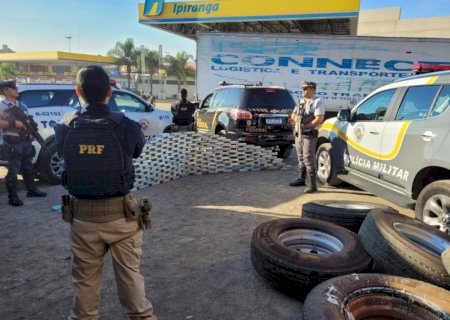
(345, 68)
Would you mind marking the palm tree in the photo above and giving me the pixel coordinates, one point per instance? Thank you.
(7, 71)
(151, 64)
(178, 66)
(127, 54)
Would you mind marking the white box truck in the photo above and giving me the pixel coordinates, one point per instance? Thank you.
(345, 68)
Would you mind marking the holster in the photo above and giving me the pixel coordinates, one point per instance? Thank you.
(66, 208)
(146, 217)
(138, 209)
(132, 207)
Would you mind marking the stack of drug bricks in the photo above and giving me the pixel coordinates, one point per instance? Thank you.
(171, 156)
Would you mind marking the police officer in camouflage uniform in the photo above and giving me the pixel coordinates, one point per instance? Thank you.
(306, 117)
(18, 144)
(98, 146)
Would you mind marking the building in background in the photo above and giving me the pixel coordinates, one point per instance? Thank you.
(386, 22)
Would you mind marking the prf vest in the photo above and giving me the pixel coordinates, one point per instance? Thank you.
(94, 161)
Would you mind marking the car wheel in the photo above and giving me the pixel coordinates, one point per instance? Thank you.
(376, 296)
(347, 214)
(405, 247)
(433, 205)
(296, 254)
(284, 151)
(446, 259)
(326, 167)
(51, 165)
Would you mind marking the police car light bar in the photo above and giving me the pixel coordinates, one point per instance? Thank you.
(419, 68)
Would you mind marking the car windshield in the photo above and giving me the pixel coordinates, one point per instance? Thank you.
(268, 97)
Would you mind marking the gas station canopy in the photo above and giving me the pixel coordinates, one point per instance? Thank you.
(52, 65)
(56, 58)
(283, 16)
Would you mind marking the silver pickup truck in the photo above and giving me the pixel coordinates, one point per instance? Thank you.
(396, 144)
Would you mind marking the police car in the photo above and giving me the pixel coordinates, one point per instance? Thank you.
(250, 113)
(396, 144)
(48, 103)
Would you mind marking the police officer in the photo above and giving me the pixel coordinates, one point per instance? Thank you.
(98, 146)
(306, 117)
(183, 110)
(19, 147)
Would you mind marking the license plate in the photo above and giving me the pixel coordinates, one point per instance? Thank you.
(274, 121)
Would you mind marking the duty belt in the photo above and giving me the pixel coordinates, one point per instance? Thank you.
(311, 133)
(98, 210)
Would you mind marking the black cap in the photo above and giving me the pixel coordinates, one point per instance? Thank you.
(306, 84)
(8, 84)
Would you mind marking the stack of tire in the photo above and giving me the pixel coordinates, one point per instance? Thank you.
(354, 260)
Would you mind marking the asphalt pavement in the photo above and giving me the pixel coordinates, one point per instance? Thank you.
(196, 258)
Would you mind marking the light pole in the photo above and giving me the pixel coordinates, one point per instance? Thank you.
(162, 94)
(68, 38)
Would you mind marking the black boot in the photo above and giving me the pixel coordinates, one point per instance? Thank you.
(301, 179)
(311, 185)
(33, 191)
(13, 197)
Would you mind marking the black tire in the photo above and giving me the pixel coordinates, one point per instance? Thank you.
(405, 247)
(376, 296)
(50, 165)
(221, 131)
(433, 205)
(284, 151)
(289, 263)
(446, 259)
(326, 166)
(169, 129)
(347, 214)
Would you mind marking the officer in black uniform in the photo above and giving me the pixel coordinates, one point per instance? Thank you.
(98, 147)
(183, 110)
(19, 147)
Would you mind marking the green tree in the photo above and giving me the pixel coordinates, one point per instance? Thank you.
(7, 71)
(151, 64)
(177, 66)
(127, 54)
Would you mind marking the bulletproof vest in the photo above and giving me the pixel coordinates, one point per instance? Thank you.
(95, 166)
(12, 135)
(184, 113)
(306, 113)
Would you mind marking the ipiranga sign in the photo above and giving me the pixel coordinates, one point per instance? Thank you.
(346, 68)
(158, 11)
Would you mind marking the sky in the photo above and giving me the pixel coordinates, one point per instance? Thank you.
(96, 25)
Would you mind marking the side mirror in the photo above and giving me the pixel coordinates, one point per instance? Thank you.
(344, 115)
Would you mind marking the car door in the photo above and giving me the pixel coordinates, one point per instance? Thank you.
(364, 132)
(47, 106)
(414, 133)
(152, 121)
(205, 114)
